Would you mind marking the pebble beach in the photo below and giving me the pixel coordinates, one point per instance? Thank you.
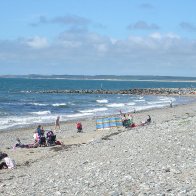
(157, 159)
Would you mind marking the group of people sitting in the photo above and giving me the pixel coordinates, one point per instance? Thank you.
(127, 120)
(39, 139)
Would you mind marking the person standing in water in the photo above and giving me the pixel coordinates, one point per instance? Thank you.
(57, 123)
(171, 104)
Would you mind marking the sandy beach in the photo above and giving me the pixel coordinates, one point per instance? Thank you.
(157, 159)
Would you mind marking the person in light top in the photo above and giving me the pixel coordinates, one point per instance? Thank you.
(57, 123)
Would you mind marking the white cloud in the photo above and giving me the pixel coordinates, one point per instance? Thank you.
(37, 42)
(156, 36)
(91, 53)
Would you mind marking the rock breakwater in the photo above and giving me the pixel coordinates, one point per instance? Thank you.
(138, 91)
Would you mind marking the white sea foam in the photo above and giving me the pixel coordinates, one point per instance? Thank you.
(102, 101)
(21, 121)
(77, 115)
(157, 102)
(94, 110)
(140, 100)
(115, 105)
(41, 112)
(167, 99)
(39, 104)
(130, 103)
(59, 104)
(162, 100)
(146, 107)
(25, 91)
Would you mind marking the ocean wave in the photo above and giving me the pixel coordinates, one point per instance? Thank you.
(115, 105)
(147, 107)
(21, 121)
(140, 100)
(77, 115)
(41, 112)
(39, 104)
(130, 103)
(102, 101)
(25, 91)
(93, 110)
(158, 102)
(167, 99)
(59, 104)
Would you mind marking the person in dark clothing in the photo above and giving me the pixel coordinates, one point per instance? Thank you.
(3, 164)
(39, 130)
(148, 121)
(42, 139)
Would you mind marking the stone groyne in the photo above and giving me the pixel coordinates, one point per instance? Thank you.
(138, 91)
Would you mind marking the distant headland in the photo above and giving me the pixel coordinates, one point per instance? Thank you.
(106, 77)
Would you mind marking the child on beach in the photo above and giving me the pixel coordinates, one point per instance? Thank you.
(79, 127)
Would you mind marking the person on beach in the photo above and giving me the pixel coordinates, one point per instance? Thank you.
(171, 105)
(36, 136)
(57, 123)
(3, 164)
(79, 127)
(148, 121)
(19, 144)
(51, 138)
(41, 137)
(8, 162)
(39, 130)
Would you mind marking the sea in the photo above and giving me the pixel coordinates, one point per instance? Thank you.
(22, 103)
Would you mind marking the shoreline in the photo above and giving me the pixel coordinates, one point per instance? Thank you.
(70, 125)
(34, 125)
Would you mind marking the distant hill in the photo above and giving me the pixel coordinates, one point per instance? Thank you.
(101, 77)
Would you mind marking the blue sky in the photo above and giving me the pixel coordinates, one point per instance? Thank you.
(120, 37)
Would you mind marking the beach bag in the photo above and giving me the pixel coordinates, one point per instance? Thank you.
(58, 143)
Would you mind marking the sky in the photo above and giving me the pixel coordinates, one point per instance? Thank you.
(98, 37)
